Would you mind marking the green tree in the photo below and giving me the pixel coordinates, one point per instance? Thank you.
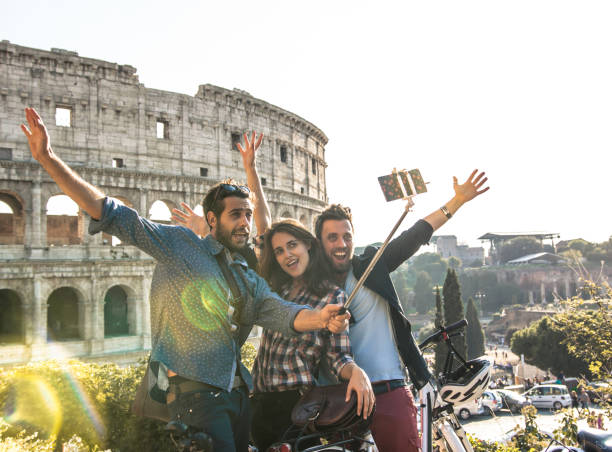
(454, 263)
(431, 263)
(542, 344)
(453, 307)
(440, 348)
(580, 245)
(423, 296)
(474, 335)
(518, 247)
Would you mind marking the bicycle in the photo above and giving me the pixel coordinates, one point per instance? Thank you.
(188, 439)
(439, 425)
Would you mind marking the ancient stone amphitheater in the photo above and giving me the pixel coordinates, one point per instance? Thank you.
(64, 293)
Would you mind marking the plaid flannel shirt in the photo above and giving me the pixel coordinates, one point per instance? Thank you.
(286, 363)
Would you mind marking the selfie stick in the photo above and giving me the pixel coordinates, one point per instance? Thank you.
(376, 257)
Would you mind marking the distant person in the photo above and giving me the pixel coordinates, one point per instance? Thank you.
(560, 378)
(600, 421)
(584, 399)
(574, 398)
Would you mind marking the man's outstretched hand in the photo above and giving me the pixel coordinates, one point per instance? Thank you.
(471, 188)
(334, 322)
(37, 135)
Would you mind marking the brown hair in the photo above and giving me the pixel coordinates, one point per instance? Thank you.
(213, 201)
(333, 212)
(317, 272)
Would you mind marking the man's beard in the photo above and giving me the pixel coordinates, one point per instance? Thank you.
(340, 269)
(224, 236)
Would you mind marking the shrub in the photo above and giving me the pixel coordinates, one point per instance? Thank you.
(80, 406)
(480, 445)
(61, 400)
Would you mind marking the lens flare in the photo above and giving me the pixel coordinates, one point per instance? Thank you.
(35, 404)
(43, 402)
(86, 403)
(205, 304)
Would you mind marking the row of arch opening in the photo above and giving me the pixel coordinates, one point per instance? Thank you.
(65, 315)
(65, 221)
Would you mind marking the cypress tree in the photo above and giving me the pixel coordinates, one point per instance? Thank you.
(440, 348)
(474, 335)
(453, 307)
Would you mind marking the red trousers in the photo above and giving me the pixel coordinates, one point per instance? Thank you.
(394, 426)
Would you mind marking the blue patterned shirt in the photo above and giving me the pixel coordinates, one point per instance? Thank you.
(190, 325)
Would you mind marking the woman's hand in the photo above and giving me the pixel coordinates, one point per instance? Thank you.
(190, 220)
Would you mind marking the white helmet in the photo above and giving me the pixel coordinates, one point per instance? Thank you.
(468, 382)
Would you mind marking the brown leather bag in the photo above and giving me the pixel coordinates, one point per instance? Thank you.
(323, 408)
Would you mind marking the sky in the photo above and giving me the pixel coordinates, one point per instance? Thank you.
(521, 90)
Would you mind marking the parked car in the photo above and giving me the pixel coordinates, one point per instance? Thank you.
(599, 392)
(570, 382)
(491, 402)
(596, 390)
(473, 408)
(512, 401)
(549, 396)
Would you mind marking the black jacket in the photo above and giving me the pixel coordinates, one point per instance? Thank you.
(399, 250)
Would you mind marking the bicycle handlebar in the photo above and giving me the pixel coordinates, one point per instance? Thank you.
(444, 330)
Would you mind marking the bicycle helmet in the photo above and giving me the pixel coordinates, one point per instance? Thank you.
(468, 382)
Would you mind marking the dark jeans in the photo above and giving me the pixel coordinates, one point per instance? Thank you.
(223, 415)
(271, 416)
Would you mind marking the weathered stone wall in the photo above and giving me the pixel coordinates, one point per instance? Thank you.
(111, 139)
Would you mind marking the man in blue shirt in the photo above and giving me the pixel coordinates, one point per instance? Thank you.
(197, 326)
(381, 336)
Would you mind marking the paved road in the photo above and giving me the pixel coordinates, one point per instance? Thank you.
(495, 428)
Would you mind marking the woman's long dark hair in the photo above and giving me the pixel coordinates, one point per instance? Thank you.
(316, 276)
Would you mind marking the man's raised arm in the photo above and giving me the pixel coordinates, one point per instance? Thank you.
(465, 192)
(88, 197)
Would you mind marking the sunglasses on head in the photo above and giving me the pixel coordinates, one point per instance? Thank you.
(228, 189)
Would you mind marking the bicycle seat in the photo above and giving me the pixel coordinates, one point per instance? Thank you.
(176, 427)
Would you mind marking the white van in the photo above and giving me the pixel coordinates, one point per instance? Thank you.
(549, 396)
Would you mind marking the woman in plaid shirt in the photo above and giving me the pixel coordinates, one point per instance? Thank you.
(294, 265)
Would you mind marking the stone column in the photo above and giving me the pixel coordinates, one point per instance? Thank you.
(543, 293)
(567, 288)
(95, 318)
(39, 321)
(35, 231)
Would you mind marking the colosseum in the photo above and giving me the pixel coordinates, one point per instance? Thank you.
(64, 293)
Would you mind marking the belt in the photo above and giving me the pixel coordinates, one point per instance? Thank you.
(180, 385)
(382, 387)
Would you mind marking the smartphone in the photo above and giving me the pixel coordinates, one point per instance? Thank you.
(402, 184)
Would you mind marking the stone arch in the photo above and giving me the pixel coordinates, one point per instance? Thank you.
(160, 211)
(285, 214)
(304, 221)
(116, 312)
(65, 315)
(12, 318)
(12, 219)
(64, 221)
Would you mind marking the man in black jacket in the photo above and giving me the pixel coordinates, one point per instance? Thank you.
(381, 335)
